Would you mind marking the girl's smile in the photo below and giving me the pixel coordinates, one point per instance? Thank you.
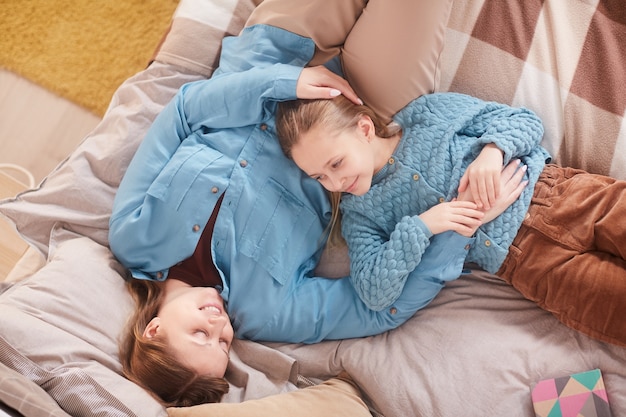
(346, 161)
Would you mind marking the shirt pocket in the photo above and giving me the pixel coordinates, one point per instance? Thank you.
(278, 232)
(180, 174)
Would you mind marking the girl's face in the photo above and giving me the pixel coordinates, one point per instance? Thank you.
(196, 326)
(343, 162)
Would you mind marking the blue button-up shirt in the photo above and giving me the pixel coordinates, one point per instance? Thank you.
(218, 136)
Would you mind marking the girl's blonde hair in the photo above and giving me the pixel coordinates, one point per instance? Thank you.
(151, 364)
(297, 117)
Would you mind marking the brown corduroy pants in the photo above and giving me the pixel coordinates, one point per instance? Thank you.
(569, 255)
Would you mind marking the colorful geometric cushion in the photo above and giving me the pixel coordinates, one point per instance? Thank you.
(576, 395)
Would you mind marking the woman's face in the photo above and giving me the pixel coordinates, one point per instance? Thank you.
(343, 162)
(196, 326)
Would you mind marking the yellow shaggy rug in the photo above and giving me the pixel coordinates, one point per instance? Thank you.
(81, 49)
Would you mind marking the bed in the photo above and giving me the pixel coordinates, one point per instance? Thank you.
(477, 350)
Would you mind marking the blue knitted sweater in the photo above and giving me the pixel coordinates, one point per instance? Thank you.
(442, 134)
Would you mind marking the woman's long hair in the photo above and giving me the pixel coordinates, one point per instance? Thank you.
(152, 365)
(295, 118)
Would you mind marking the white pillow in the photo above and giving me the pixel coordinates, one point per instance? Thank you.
(59, 328)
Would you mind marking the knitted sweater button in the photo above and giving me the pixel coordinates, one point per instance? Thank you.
(243, 163)
(487, 243)
(214, 190)
(196, 228)
(391, 161)
(393, 310)
(416, 177)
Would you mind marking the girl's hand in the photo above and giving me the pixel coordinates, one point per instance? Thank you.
(483, 176)
(511, 186)
(320, 82)
(462, 217)
(510, 189)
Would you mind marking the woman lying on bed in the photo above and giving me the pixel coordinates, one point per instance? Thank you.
(212, 153)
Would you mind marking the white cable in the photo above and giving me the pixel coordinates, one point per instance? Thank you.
(22, 170)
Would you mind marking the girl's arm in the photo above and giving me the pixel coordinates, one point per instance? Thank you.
(381, 263)
(511, 185)
(502, 134)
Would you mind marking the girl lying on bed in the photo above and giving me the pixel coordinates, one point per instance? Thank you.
(560, 243)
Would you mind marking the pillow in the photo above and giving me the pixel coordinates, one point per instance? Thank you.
(25, 397)
(335, 397)
(384, 78)
(59, 328)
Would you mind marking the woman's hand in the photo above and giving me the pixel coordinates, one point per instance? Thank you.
(482, 176)
(320, 82)
(462, 217)
(510, 188)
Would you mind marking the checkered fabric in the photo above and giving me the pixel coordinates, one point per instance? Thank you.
(563, 59)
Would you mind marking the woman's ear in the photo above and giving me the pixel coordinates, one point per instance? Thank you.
(365, 125)
(152, 329)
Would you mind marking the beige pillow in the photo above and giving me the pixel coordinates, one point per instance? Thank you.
(335, 397)
(386, 78)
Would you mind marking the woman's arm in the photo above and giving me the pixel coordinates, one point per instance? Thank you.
(146, 212)
(149, 225)
(245, 98)
(319, 309)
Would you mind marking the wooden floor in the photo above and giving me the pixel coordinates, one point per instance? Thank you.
(38, 130)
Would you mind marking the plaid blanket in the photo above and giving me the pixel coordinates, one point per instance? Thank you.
(563, 59)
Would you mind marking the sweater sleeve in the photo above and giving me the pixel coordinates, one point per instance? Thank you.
(514, 130)
(381, 264)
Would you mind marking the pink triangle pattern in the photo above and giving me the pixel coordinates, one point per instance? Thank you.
(571, 405)
(577, 395)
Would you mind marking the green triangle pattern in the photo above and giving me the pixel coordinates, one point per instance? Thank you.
(588, 379)
(556, 410)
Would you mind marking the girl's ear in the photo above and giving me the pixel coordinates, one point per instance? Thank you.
(152, 329)
(365, 125)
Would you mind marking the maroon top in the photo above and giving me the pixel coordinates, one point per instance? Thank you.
(198, 270)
